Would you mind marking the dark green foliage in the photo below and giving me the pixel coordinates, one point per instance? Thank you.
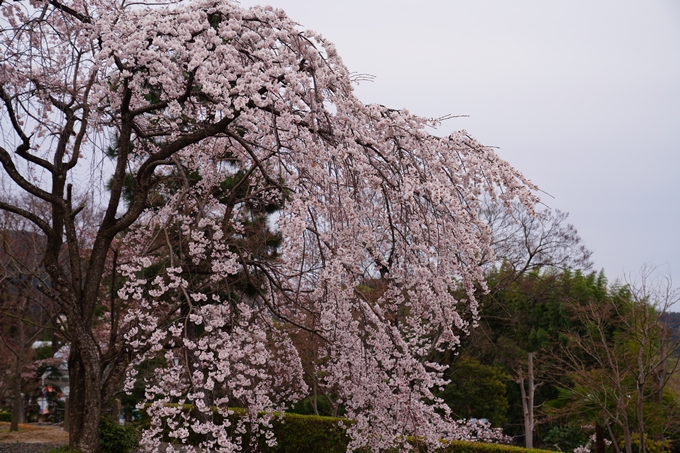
(43, 352)
(297, 433)
(479, 447)
(309, 433)
(529, 313)
(564, 437)
(476, 391)
(306, 407)
(128, 187)
(5, 417)
(461, 446)
(116, 438)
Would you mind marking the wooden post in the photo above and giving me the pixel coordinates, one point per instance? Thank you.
(22, 413)
(66, 414)
(115, 410)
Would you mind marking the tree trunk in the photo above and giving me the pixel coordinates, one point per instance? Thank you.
(195, 366)
(85, 398)
(640, 415)
(66, 415)
(640, 384)
(659, 380)
(17, 405)
(599, 439)
(315, 398)
(627, 439)
(528, 401)
(612, 437)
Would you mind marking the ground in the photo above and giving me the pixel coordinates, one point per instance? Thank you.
(31, 434)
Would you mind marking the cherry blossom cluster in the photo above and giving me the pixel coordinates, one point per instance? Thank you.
(476, 430)
(272, 198)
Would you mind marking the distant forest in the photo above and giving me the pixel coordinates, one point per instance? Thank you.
(672, 320)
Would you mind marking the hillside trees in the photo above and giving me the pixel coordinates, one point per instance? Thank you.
(519, 329)
(603, 353)
(618, 359)
(525, 276)
(537, 290)
(250, 194)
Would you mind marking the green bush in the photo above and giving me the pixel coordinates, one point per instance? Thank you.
(117, 438)
(459, 446)
(651, 445)
(476, 391)
(565, 438)
(308, 433)
(5, 417)
(297, 433)
(294, 433)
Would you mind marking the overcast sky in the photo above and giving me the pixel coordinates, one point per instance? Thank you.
(582, 96)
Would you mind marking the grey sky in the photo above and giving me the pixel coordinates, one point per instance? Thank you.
(582, 96)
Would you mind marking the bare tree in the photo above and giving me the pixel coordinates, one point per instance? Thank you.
(652, 296)
(618, 355)
(524, 241)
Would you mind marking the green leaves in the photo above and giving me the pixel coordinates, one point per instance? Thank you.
(477, 391)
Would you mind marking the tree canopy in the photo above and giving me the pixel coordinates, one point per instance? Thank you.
(250, 193)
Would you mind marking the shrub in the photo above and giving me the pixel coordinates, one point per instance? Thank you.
(652, 446)
(463, 446)
(309, 433)
(459, 446)
(565, 438)
(117, 438)
(297, 433)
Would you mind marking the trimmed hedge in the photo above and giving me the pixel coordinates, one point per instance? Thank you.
(312, 434)
(459, 446)
(5, 417)
(308, 434)
(294, 434)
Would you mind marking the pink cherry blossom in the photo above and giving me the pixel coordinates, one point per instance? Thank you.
(266, 195)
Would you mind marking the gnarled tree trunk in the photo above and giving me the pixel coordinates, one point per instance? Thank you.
(85, 402)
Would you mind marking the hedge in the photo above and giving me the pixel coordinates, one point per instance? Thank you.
(308, 433)
(312, 434)
(460, 446)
